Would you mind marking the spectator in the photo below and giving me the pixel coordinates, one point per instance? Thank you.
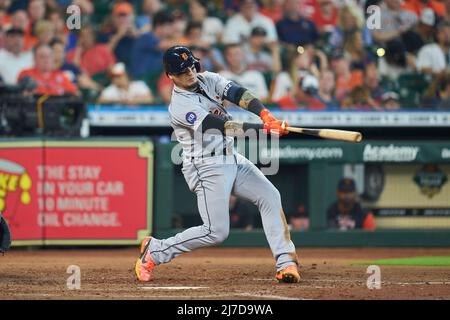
(359, 99)
(164, 87)
(309, 62)
(212, 27)
(75, 74)
(326, 90)
(433, 58)
(273, 9)
(447, 10)
(346, 79)
(346, 213)
(56, 17)
(396, 61)
(45, 32)
(303, 96)
(124, 91)
(255, 55)
(90, 56)
(36, 10)
(294, 29)
(325, 16)
(372, 83)
(354, 47)
(390, 101)
(148, 48)
(237, 72)
(123, 33)
(19, 20)
(395, 21)
(18, 5)
(149, 9)
(426, 28)
(350, 20)
(180, 22)
(211, 57)
(4, 16)
(299, 221)
(242, 214)
(87, 6)
(239, 26)
(437, 94)
(48, 80)
(13, 58)
(417, 6)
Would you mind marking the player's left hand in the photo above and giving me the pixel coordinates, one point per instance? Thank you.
(276, 127)
(5, 236)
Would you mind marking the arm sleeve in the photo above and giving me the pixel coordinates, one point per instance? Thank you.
(224, 88)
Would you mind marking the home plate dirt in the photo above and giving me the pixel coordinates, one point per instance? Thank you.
(219, 273)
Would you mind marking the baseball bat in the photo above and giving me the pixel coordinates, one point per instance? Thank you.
(342, 135)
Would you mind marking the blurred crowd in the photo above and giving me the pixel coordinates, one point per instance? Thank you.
(296, 54)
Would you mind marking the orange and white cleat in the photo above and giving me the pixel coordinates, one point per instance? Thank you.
(288, 275)
(144, 265)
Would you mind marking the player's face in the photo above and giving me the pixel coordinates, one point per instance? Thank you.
(346, 198)
(186, 80)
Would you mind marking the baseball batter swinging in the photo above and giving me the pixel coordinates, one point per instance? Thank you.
(196, 110)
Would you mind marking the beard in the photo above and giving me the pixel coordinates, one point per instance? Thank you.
(193, 86)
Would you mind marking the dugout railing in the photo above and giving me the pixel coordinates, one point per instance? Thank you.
(418, 217)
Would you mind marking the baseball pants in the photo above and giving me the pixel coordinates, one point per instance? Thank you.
(213, 179)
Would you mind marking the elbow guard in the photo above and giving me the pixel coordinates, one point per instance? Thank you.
(233, 92)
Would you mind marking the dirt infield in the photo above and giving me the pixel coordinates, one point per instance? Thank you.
(218, 273)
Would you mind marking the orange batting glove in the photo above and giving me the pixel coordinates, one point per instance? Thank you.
(266, 116)
(276, 128)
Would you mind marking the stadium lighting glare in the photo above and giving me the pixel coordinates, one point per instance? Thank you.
(381, 52)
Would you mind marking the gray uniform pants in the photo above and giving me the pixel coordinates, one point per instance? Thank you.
(213, 180)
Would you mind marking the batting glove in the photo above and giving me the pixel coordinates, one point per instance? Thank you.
(276, 128)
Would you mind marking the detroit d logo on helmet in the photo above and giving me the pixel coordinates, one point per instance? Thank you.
(184, 56)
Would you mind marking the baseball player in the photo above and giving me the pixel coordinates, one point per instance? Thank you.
(213, 170)
(5, 235)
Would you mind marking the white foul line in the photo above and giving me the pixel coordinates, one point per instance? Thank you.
(266, 296)
(172, 288)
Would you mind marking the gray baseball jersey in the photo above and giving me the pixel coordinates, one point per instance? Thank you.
(188, 109)
(214, 178)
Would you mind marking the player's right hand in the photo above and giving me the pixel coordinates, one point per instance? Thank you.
(266, 116)
(276, 127)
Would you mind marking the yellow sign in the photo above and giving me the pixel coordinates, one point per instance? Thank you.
(12, 177)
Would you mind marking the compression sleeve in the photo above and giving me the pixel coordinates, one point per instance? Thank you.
(231, 128)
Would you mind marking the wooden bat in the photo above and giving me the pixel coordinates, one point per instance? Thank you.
(342, 135)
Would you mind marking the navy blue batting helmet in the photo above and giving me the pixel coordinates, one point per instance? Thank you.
(178, 59)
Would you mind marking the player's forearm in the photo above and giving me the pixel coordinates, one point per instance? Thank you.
(240, 129)
(213, 124)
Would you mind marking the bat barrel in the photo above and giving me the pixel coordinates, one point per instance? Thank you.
(342, 135)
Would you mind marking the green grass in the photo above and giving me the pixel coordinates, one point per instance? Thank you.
(413, 261)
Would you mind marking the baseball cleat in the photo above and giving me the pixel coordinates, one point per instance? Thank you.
(288, 275)
(144, 265)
